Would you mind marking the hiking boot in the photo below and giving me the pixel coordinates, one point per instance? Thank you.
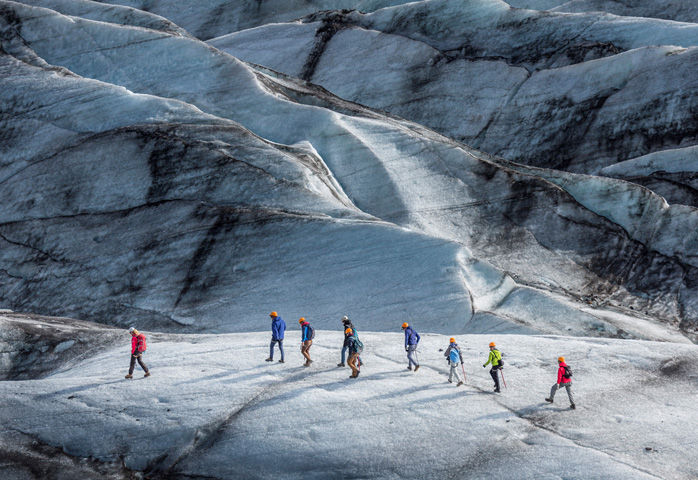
(450, 381)
(573, 406)
(496, 390)
(549, 400)
(416, 368)
(307, 364)
(129, 376)
(282, 361)
(357, 373)
(147, 374)
(340, 364)
(269, 359)
(459, 384)
(409, 367)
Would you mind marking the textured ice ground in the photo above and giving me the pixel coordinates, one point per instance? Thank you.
(213, 408)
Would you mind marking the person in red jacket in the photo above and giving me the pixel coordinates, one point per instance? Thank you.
(137, 351)
(564, 379)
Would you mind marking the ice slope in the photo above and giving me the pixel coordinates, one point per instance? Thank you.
(213, 408)
(680, 11)
(330, 158)
(492, 77)
(671, 173)
(218, 17)
(98, 11)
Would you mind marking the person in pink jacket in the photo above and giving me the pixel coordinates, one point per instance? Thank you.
(564, 379)
(137, 351)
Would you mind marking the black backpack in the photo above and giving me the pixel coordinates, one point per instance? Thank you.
(568, 372)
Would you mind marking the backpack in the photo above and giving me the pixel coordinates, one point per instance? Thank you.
(568, 372)
(358, 345)
(500, 361)
(311, 332)
(453, 356)
(140, 343)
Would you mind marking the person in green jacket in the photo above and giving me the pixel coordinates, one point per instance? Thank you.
(495, 359)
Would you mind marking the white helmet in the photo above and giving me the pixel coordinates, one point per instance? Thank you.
(345, 318)
(131, 330)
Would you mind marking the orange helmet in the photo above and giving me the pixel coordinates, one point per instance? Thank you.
(348, 330)
(405, 325)
(301, 320)
(452, 340)
(560, 359)
(492, 344)
(273, 314)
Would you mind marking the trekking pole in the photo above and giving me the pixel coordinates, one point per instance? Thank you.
(462, 368)
(504, 381)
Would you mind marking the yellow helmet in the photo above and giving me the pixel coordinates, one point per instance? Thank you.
(560, 359)
(301, 320)
(273, 314)
(405, 325)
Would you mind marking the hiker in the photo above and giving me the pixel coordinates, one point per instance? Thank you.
(455, 358)
(411, 341)
(278, 327)
(307, 335)
(355, 349)
(137, 351)
(345, 346)
(495, 359)
(564, 378)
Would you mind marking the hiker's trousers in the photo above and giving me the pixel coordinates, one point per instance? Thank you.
(567, 386)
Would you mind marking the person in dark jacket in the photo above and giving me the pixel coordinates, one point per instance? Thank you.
(494, 358)
(278, 328)
(562, 381)
(411, 341)
(137, 350)
(307, 334)
(345, 346)
(455, 359)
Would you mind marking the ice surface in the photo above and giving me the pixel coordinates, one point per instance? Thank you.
(214, 408)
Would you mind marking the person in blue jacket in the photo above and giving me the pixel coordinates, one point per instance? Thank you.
(278, 328)
(411, 341)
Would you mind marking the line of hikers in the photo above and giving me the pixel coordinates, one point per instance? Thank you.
(354, 347)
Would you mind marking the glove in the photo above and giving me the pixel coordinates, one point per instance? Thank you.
(407, 349)
(484, 366)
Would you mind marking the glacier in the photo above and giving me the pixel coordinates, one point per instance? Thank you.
(520, 172)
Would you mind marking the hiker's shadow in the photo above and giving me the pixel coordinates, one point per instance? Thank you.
(456, 393)
(78, 388)
(538, 408)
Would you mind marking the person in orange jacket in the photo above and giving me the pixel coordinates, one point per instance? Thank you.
(137, 350)
(564, 379)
